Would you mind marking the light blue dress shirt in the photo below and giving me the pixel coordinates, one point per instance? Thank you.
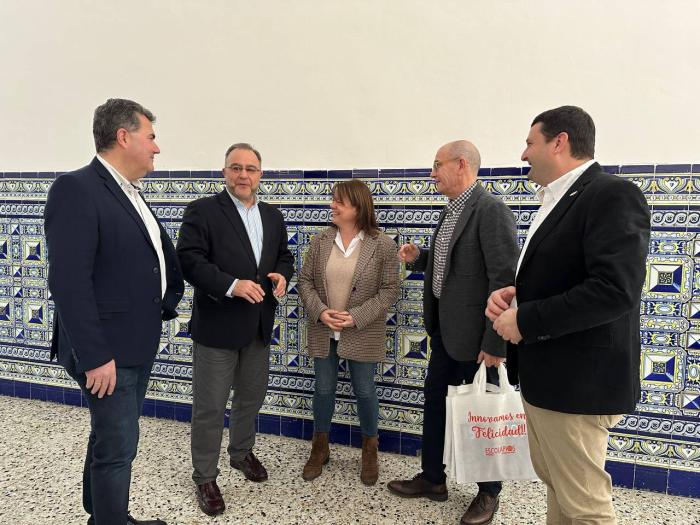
(253, 227)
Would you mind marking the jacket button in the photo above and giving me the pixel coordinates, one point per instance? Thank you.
(156, 269)
(156, 300)
(354, 288)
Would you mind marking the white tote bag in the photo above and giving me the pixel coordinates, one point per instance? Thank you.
(448, 450)
(489, 434)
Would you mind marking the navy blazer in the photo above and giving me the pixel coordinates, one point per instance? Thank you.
(104, 274)
(214, 249)
(578, 289)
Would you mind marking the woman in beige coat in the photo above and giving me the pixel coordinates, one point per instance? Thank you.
(348, 281)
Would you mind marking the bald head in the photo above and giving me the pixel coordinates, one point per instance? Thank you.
(455, 167)
(464, 148)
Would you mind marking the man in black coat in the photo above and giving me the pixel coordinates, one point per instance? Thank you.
(233, 251)
(114, 278)
(573, 316)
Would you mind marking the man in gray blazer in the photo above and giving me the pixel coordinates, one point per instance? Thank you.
(473, 252)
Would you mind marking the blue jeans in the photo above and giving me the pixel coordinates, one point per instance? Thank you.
(114, 437)
(362, 377)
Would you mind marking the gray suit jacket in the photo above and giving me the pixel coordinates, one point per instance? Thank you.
(481, 258)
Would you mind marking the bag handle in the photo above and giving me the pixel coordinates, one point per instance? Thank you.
(479, 383)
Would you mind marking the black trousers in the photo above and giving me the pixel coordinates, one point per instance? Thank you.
(444, 371)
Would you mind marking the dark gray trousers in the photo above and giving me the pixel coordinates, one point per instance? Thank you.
(214, 372)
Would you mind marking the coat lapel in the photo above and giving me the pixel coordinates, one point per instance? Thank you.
(325, 249)
(467, 212)
(558, 212)
(369, 244)
(231, 213)
(268, 222)
(119, 194)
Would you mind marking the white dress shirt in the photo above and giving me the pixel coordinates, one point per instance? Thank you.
(549, 196)
(132, 191)
(353, 243)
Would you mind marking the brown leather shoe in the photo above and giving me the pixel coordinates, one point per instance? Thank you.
(418, 487)
(481, 510)
(319, 456)
(370, 468)
(209, 498)
(251, 467)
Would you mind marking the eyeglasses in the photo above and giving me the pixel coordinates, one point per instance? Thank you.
(439, 163)
(238, 169)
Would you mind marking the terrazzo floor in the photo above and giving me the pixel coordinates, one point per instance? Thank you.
(42, 448)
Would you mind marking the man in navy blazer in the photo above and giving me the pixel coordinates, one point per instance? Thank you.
(114, 278)
(572, 317)
(233, 250)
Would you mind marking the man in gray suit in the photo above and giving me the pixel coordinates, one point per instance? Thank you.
(473, 252)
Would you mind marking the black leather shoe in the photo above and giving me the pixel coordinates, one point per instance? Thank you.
(130, 520)
(251, 467)
(418, 487)
(481, 510)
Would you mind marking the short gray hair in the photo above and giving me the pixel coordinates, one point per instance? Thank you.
(115, 114)
(243, 145)
(464, 148)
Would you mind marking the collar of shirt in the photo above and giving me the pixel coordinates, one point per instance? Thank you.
(239, 204)
(355, 240)
(123, 182)
(555, 190)
(456, 205)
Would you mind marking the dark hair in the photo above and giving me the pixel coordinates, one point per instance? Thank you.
(243, 145)
(357, 194)
(115, 114)
(576, 123)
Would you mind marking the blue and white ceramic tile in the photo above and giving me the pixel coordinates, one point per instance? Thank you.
(657, 447)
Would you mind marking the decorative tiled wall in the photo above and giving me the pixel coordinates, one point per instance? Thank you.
(657, 447)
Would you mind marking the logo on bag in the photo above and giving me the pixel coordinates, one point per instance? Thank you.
(505, 449)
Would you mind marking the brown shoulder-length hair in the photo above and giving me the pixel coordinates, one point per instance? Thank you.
(356, 193)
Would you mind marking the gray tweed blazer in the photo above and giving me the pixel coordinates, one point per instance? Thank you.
(375, 288)
(481, 258)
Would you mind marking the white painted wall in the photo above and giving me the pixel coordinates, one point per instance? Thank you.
(348, 83)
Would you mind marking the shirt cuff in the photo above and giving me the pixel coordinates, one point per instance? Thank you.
(229, 293)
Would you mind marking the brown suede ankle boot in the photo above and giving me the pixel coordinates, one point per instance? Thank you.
(370, 469)
(318, 457)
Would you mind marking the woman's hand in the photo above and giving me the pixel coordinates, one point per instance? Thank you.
(332, 319)
(345, 318)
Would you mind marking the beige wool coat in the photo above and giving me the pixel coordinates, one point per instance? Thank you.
(375, 288)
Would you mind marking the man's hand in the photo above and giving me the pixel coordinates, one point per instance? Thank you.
(331, 319)
(280, 284)
(102, 380)
(249, 290)
(499, 301)
(346, 320)
(507, 326)
(408, 253)
(489, 360)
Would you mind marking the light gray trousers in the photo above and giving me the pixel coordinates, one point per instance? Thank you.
(214, 372)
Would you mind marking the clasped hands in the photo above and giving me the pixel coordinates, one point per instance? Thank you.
(503, 316)
(336, 320)
(254, 293)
